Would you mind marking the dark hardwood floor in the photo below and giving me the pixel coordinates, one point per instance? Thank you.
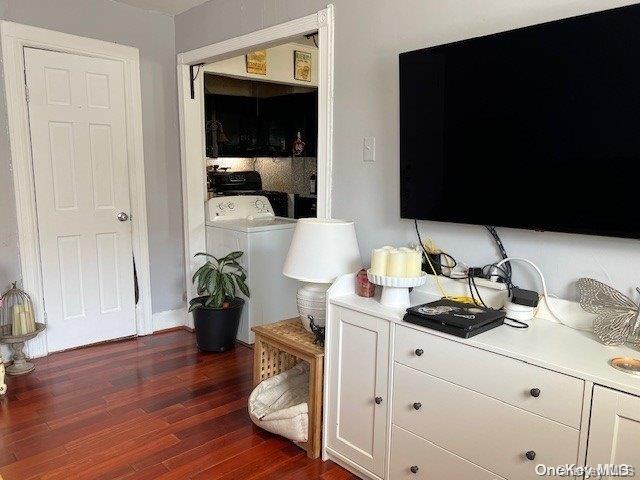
(147, 408)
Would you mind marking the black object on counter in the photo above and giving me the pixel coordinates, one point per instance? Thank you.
(456, 318)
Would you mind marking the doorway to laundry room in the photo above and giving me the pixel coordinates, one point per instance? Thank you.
(256, 121)
(261, 126)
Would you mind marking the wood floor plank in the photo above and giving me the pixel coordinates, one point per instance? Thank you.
(153, 407)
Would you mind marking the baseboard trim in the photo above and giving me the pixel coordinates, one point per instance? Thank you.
(173, 329)
(169, 319)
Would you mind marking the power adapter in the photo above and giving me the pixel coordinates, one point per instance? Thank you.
(522, 304)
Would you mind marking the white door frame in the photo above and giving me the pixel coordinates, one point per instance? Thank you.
(191, 112)
(15, 37)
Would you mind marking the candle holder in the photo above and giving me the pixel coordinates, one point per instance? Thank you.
(395, 290)
(18, 325)
(20, 365)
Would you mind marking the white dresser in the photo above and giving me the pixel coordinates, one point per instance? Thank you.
(406, 402)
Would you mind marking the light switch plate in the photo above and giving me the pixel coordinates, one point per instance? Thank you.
(369, 149)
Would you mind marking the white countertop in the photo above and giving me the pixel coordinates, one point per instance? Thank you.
(545, 343)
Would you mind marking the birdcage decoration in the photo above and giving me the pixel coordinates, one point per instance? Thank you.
(17, 326)
(17, 317)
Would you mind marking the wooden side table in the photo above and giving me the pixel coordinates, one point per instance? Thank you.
(280, 346)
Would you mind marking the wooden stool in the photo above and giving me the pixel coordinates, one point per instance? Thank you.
(280, 346)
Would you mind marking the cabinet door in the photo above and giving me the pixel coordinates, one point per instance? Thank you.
(358, 388)
(614, 434)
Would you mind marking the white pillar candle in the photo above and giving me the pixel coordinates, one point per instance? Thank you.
(379, 258)
(397, 263)
(16, 326)
(24, 325)
(414, 263)
(30, 318)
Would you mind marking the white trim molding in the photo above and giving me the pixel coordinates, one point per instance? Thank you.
(191, 114)
(15, 37)
(169, 319)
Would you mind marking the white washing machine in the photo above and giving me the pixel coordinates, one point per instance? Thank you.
(247, 223)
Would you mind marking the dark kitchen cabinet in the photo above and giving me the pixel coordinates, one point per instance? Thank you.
(243, 126)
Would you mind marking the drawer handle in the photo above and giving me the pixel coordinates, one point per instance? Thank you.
(531, 455)
(535, 392)
(419, 352)
(414, 469)
(378, 400)
(417, 406)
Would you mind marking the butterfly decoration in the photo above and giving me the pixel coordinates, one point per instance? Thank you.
(616, 314)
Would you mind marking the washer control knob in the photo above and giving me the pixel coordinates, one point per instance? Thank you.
(221, 206)
(231, 205)
(259, 204)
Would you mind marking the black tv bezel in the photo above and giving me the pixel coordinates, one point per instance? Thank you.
(529, 226)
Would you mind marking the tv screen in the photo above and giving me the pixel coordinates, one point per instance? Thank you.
(535, 128)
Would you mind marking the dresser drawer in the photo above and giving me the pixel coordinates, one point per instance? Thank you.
(559, 397)
(483, 430)
(429, 461)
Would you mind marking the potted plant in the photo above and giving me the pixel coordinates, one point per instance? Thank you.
(217, 309)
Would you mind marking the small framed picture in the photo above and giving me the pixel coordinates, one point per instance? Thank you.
(257, 62)
(302, 66)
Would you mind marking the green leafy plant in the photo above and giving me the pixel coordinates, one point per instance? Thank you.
(216, 281)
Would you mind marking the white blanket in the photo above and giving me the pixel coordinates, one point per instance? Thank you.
(279, 403)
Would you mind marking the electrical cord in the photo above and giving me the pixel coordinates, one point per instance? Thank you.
(473, 286)
(515, 324)
(505, 276)
(503, 251)
(545, 294)
(455, 298)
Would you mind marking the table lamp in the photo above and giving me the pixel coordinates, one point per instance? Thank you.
(321, 250)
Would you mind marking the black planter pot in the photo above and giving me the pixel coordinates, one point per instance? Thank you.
(216, 328)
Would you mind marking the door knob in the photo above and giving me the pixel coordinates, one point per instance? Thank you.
(531, 455)
(535, 392)
(417, 406)
(123, 217)
(378, 400)
(419, 352)
(414, 469)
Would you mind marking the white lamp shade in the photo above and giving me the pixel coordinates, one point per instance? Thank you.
(321, 250)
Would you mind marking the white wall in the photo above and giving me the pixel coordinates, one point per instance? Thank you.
(369, 36)
(279, 66)
(153, 34)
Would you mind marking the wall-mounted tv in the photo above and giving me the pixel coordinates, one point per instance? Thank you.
(535, 128)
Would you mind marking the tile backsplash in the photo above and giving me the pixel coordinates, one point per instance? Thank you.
(282, 174)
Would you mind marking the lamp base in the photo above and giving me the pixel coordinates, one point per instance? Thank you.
(312, 302)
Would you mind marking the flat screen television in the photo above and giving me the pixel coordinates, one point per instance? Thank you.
(535, 128)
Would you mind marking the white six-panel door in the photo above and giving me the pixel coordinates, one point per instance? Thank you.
(79, 148)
